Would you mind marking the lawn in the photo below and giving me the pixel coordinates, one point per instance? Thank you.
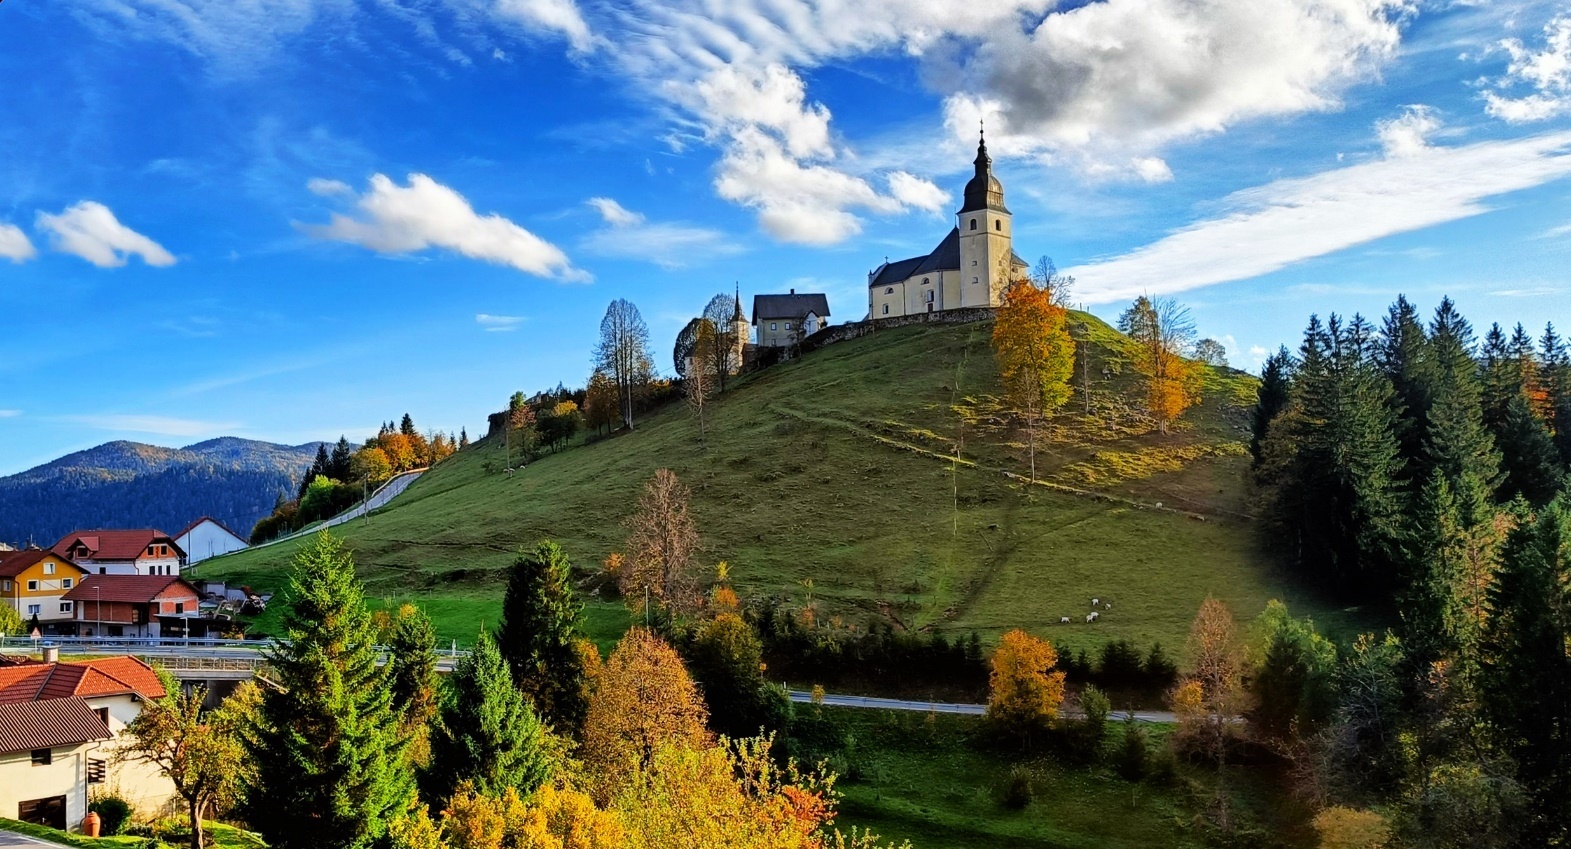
(880, 478)
(935, 782)
(223, 837)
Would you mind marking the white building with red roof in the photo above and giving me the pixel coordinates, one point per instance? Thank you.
(207, 537)
(122, 552)
(134, 605)
(59, 730)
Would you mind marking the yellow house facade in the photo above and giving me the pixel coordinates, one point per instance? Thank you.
(34, 583)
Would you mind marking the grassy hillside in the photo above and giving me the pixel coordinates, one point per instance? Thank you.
(881, 477)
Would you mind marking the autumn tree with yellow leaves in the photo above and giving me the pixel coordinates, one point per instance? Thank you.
(1034, 352)
(643, 698)
(1025, 690)
(1163, 335)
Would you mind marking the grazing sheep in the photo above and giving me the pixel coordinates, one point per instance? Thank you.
(1090, 617)
(1063, 620)
(1108, 606)
(1095, 602)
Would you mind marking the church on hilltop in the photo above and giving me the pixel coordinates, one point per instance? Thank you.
(969, 268)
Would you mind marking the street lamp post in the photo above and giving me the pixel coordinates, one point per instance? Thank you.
(98, 620)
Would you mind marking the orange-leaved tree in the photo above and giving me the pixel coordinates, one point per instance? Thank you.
(1211, 695)
(1162, 334)
(1025, 689)
(643, 697)
(1034, 352)
(661, 540)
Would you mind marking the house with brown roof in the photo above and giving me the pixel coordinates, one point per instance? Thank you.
(59, 730)
(122, 552)
(134, 606)
(34, 583)
(207, 537)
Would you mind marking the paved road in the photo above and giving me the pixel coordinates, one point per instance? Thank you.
(873, 703)
(11, 838)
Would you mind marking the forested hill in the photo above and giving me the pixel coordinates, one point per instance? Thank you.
(132, 485)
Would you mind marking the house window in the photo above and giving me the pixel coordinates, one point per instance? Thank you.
(67, 583)
(102, 570)
(66, 606)
(973, 224)
(43, 757)
(103, 714)
(973, 262)
(788, 325)
(924, 281)
(7, 586)
(886, 309)
(34, 609)
(49, 568)
(32, 586)
(96, 771)
(179, 607)
(889, 291)
(930, 296)
(976, 280)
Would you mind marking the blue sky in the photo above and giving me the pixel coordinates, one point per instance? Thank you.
(295, 219)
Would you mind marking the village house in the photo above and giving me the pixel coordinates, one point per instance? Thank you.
(207, 537)
(60, 725)
(971, 267)
(34, 584)
(117, 552)
(784, 320)
(136, 606)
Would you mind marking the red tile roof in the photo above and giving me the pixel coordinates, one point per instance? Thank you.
(26, 726)
(134, 589)
(13, 563)
(104, 676)
(114, 544)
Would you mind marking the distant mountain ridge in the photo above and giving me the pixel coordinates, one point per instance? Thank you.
(134, 485)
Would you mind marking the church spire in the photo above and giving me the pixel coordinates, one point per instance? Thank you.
(738, 315)
(984, 191)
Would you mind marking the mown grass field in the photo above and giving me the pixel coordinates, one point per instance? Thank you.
(933, 781)
(874, 477)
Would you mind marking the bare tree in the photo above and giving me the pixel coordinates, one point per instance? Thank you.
(1057, 285)
(623, 353)
(723, 313)
(1211, 697)
(661, 540)
(698, 384)
(1211, 352)
(682, 352)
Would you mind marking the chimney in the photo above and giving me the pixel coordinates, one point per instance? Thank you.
(793, 291)
(51, 653)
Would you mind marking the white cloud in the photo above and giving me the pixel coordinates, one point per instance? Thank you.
(796, 202)
(557, 16)
(614, 213)
(498, 323)
(1546, 72)
(1408, 133)
(917, 193)
(14, 244)
(1288, 221)
(425, 214)
(88, 229)
(328, 188)
(669, 245)
(1152, 169)
(9, 414)
(160, 425)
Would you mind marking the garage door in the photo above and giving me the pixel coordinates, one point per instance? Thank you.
(49, 811)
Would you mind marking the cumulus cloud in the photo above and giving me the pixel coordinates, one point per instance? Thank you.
(1152, 169)
(1273, 226)
(917, 193)
(88, 229)
(396, 219)
(14, 244)
(629, 235)
(803, 203)
(614, 213)
(1545, 73)
(498, 323)
(1408, 134)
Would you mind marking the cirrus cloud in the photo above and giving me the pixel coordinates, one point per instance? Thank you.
(630, 235)
(424, 214)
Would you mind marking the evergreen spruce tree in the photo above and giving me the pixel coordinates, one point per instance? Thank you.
(540, 614)
(339, 465)
(1528, 668)
(328, 760)
(407, 426)
(318, 469)
(1457, 442)
(1276, 383)
(1447, 567)
(411, 648)
(1403, 356)
(487, 733)
(1531, 461)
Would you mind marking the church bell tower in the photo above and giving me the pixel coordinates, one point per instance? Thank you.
(986, 239)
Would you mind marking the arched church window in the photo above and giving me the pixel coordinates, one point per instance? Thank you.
(973, 224)
(886, 309)
(998, 225)
(924, 281)
(889, 291)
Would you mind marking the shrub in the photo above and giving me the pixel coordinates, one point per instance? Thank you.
(1017, 793)
(1132, 755)
(113, 814)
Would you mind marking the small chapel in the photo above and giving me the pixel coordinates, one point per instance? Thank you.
(970, 268)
